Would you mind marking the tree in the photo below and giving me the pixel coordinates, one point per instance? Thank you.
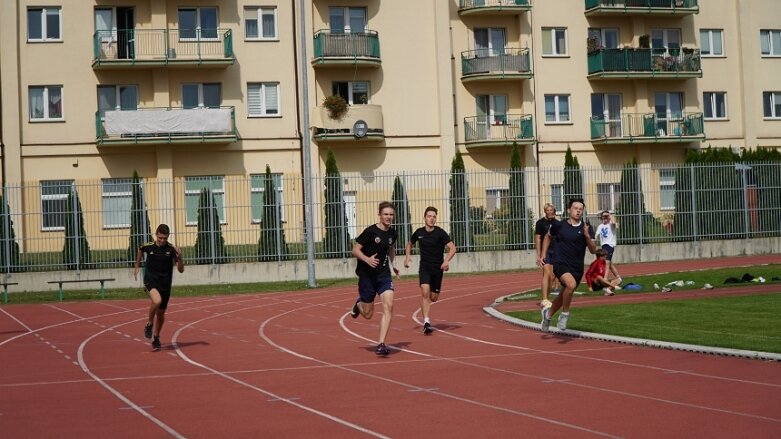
(140, 229)
(631, 213)
(75, 252)
(209, 244)
(9, 248)
(518, 225)
(271, 245)
(460, 231)
(403, 217)
(336, 242)
(573, 180)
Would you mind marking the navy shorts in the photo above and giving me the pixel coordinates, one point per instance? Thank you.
(369, 286)
(165, 294)
(560, 270)
(432, 277)
(609, 249)
(548, 257)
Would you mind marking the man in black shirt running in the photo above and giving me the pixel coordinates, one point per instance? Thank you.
(161, 256)
(544, 261)
(433, 264)
(375, 251)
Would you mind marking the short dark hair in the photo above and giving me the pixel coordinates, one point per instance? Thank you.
(431, 209)
(163, 230)
(604, 212)
(384, 205)
(600, 252)
(575, 200)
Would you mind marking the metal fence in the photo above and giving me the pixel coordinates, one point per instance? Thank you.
(63, 224)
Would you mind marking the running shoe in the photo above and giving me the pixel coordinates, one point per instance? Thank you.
(356, 311)
(608, 292)
(156, 344)
(427, 329)
(562, 324)
(382, 350)
(148, 330)
(545, 324)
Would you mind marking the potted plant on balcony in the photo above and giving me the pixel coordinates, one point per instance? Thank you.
(336, 106)
(645, 41)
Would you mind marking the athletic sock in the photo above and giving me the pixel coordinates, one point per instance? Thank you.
(565, 313)
(426, 320)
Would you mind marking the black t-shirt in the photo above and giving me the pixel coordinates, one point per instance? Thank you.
(432, 246)
(570, 244)
(542, 227)
(159, 266)
(375, 241)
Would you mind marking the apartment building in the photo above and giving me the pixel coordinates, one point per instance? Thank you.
(198, 91)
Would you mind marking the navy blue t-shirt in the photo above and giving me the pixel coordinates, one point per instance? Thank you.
(570, 245)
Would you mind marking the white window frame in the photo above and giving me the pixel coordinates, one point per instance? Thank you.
(498, 193)
(44, 13)
(346, 17)
(54, 197)
(601, 34)
(260, 12)
(557, 109)
(350, 91)
(260, 191)
(491, 32)
(665, 185)
(553, 31)
(108, 183)
(200, 86)
(708, 35)
(117, 94)
(264, 111)
(188, 193)
(773, 51)
(198, 34)
(775, 98)
(557, 201)
(709, 101)
(46, 117)
(666, 37)
(613, 194)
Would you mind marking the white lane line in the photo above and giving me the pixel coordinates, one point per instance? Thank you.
(63, 310)
(29, 330)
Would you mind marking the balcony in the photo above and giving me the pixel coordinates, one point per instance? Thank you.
(340, 49)
(644, 63)
(489, 65)
(493, 7)
(166, 125)
(499, 130)
(647, 128)
(141, 48)
(365, 117)
(642, 7)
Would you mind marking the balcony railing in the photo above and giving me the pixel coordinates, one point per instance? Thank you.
(639, 63)
(502, 129)
(642, 7)
(369, 116)
(166, 125)
(493, 7)
(346, 48)
(647, 128)
(157, 47)
(487, 64)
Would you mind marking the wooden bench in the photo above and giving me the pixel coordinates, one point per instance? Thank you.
(74, 281)
(5, 289)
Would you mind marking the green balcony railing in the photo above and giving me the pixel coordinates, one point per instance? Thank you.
(648, 127)
(166, 125)
(662, 62)
(493, 6)
(514, 62)
(503, 128)
(162, 46)
(643, 6)
(346, 46)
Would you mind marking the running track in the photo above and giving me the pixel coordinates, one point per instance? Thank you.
(295, 365)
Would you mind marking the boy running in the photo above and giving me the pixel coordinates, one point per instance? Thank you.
(161, 256)
(375, 251)
(544, 261)
(433, 265)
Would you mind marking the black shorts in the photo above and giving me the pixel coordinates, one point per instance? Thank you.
(596, 286)
(549, 257)
(560, 270)
(432, 277)
(369, 286)
(165, 294)
(609, 249)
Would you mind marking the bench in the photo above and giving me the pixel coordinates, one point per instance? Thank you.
(74, 281)
(5, 289)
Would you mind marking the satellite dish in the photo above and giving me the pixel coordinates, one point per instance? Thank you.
(360, 129)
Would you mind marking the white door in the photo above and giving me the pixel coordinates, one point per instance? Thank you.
(350, 212)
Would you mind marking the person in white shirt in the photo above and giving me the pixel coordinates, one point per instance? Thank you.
(606, 232)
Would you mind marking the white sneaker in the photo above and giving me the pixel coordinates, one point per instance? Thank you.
(545, 323)
(617, 287)
(608, 292)
(562, 323)
(620, 280)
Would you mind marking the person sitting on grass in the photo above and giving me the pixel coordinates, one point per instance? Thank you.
(596, 276)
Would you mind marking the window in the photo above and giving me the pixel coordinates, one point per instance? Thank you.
(117, 97)
(771, 100)
(557, 108)
(263, 99)
(198, 23)
(45, 102)
(201, 95)
(491, 109)
(554, 41)
(715, 103)
(260, 23)
(557, 197)
(489, 41)
(44, 24)
(215, 184)
(257, 196)
(770, 41)
(668, 39)
(608, 196)
(667, 189)
(54, 203)
(711, 42)
(606, 38)
(354, 92)
(117, 200)
(344, 20)
(495, 199)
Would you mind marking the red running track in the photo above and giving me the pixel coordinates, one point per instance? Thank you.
(295, 365)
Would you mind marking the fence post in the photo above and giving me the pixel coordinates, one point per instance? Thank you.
(278, 222)
(76, 236)
(467, 225)
(640, 212)
(6, 234)
(405, 205)
(694, 203)
(212, 232)
(342, 208)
